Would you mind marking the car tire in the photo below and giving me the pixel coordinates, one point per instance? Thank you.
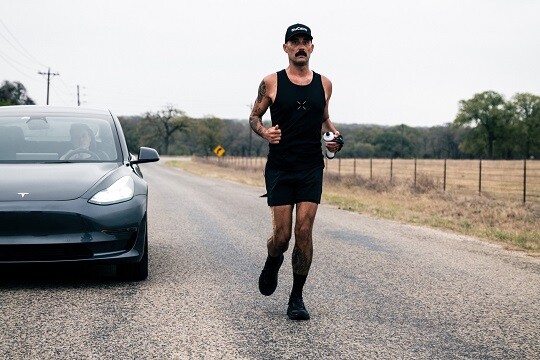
(135, 271)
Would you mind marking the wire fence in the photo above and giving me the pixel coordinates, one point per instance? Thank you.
(515, 180)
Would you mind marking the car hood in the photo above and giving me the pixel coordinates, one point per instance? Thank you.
(42, 182)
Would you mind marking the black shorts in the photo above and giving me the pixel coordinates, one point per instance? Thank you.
(292, 187)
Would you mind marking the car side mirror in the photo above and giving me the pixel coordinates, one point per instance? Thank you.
(146, 155)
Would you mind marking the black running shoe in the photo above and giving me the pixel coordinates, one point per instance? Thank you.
(297, 310)
(269, 277)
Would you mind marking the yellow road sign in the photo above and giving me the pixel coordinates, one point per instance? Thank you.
(219, 151)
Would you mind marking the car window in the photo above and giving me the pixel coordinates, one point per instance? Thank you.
(38, 138)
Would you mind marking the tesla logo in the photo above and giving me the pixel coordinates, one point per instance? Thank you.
(22, 194)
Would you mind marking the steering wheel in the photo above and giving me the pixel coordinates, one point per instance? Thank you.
(72, 153)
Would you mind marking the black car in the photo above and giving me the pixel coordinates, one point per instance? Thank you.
(70, 191)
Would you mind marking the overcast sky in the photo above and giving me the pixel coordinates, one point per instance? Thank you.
(390, 61)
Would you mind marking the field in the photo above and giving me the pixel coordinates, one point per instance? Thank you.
(389, 189)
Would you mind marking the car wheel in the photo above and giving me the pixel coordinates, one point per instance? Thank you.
(135, 271)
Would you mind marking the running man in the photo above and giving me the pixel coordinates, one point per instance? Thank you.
(298, 100)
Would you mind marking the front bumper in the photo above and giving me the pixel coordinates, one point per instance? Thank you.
(71, 231)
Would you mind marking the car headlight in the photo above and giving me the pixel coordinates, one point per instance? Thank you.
(121, 190)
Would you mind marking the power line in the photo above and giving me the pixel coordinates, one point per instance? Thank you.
(4, 55)
(68, 87)
(13, 66)
(26, 53)
(59, 94)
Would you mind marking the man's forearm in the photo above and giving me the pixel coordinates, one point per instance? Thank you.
(256, 124)
(328, 126)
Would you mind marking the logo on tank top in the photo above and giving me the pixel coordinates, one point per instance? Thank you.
(301, 105)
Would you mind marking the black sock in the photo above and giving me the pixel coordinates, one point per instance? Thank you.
(298, 285)
(273, 260)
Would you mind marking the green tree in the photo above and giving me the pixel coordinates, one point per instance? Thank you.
(489, 117)
(442, 142)
(354, 149)
(14, 93)
(240, 140)
(395, 142)
(360, 140)
(207, 134)
(130, 126)
(527, 112)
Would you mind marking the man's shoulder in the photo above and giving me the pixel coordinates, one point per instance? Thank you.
(323, 78)
(327, 84)
(270, 80)
(271, 77)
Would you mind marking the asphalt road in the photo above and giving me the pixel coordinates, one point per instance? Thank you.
(377, 290)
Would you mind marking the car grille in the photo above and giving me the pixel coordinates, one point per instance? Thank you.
(44, 252)
(42, 223)
(61, 252)
(42, 236)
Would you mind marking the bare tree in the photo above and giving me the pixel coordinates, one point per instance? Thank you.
(160, 127)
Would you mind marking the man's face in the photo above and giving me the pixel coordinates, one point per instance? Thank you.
(299, 49)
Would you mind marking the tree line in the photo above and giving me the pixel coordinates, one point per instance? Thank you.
(486, 126)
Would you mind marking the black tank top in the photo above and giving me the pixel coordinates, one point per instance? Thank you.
(298, 110)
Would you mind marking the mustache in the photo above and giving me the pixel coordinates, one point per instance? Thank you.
(301, 53)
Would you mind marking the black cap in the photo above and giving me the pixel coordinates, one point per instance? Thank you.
(297, 29)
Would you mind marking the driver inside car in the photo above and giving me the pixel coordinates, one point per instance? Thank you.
(83, 145)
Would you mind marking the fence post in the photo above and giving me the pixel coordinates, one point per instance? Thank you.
(370, 168)
(480, 178)
(524, 180)
(391, 170)
(339, 167)
(354, 167)
(415, 173)
(444, 176)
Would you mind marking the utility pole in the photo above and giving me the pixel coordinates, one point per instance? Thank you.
(79, 95)
(48, 73)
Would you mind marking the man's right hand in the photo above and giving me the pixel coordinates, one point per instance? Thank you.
(273, 134)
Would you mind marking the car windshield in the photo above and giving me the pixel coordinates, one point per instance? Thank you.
(58, 138)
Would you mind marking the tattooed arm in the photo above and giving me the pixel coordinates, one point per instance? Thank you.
(265, 97)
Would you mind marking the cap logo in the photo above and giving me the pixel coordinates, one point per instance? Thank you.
(298, 28)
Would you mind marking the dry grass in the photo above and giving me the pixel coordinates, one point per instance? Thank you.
(498, 178)
(511, 223)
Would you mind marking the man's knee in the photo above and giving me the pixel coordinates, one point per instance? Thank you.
(303, 234)
(281, 239)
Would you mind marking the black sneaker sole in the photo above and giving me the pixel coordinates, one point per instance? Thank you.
(298, 315)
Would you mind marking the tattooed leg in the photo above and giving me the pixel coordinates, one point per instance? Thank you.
(301, 257)
(301, 260)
